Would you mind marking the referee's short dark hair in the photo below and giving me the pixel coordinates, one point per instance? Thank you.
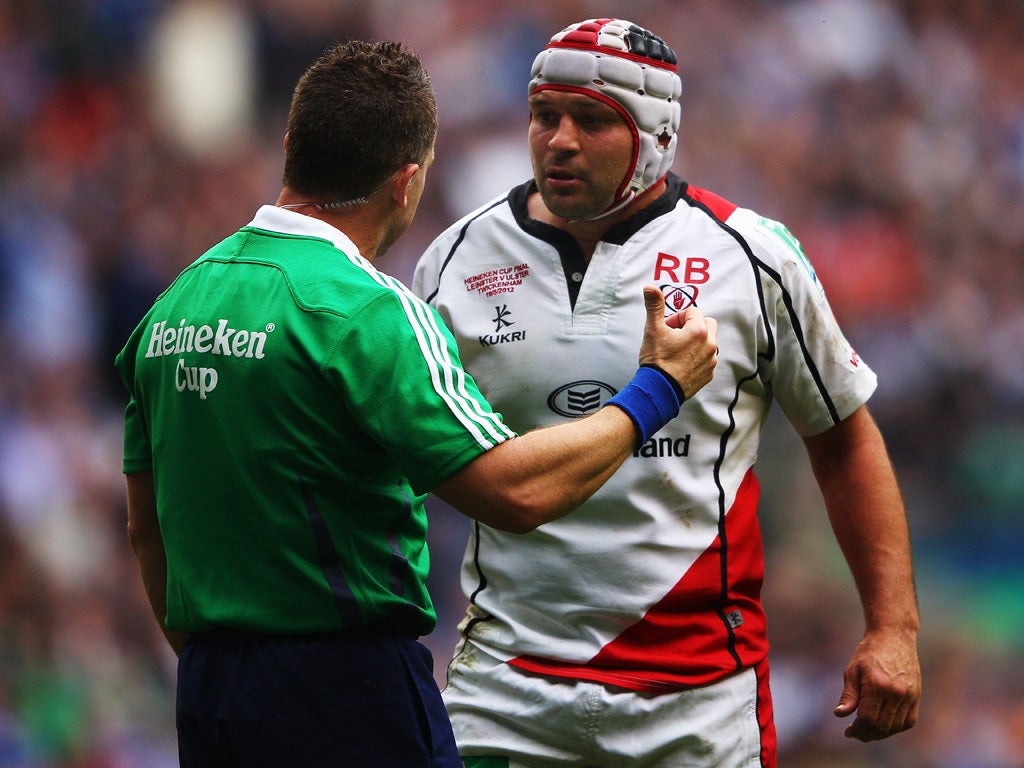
(360, 112)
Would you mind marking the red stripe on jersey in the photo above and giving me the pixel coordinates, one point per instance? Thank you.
(720, 207)
(683, 640)
(766, 717)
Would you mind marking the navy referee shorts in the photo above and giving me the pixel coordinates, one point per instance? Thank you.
(257, 700)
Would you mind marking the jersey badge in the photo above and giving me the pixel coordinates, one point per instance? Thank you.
(782, 234)
(678, 297)
(498, 281)
(680, 280)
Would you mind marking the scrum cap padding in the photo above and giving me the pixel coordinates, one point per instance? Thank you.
(618, 60)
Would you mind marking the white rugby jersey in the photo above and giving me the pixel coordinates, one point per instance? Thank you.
(655, 582)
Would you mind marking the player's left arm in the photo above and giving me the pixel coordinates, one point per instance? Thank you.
(882, 682)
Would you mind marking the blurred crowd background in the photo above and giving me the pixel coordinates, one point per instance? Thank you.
(888, 136)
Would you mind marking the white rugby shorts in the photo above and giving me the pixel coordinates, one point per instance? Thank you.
(506, 718)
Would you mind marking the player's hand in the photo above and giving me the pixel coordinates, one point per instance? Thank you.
(882, 684)
(685, 345)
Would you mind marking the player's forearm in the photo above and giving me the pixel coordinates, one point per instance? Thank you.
(867, 515)
(544, 474)
(873, 535)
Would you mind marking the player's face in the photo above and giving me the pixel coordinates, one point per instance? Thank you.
(581, 150)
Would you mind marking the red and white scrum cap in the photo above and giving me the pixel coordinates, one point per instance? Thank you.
(630, 69)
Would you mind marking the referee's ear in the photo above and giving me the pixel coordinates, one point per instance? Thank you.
(401, 184)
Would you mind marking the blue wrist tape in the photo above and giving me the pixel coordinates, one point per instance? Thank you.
(651, 399)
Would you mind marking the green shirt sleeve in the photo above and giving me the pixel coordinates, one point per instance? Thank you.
(138, 452)
(398, 369)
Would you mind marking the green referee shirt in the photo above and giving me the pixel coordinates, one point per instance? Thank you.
(294, 405)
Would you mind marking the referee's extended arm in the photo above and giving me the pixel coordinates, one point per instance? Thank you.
(547, 473)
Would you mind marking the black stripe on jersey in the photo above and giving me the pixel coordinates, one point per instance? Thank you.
(788, 301)
(481, 581)
(457, 243)
(399, 562)
(757, 266)
(330, 562)
(467, 630)
(723, 597)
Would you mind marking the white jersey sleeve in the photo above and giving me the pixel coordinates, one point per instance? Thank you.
(817, 377)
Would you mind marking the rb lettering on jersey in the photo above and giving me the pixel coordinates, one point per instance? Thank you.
(682, 280)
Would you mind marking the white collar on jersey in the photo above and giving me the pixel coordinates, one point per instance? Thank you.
(277, 219)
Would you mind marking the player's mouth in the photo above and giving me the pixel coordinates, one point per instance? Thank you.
(559, 178)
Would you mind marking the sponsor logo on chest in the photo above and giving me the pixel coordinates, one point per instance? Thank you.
(582, 398)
